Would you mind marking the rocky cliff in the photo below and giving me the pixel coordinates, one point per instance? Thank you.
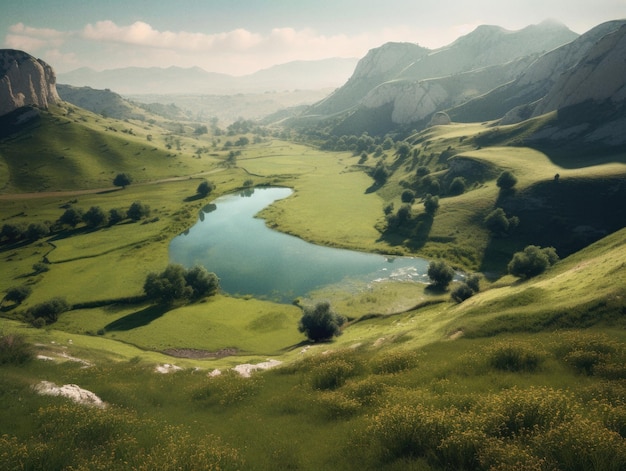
(25, 81)
(415, 82)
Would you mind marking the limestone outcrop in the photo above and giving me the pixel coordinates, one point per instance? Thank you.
(25, 81)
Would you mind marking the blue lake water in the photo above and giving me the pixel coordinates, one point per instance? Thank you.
(251, 259)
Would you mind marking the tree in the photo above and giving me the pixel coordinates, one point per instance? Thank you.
(115, 216)
(320, 322)
(431, 204)
(50, 310)
(201, 130)
(498, 223)
(440, 273)
(138, 210)
(404, 149)
(13, 232)
(18, 294)
(457, 186)
(122, 179)
(461, 292)
(408, 196)
(205, 188)
(95, 216)
(506, 180)
(175, 283)
(380, 173)
(167, 286)
(202, 282)
(71, 217)
(532, 261)
(37, 230)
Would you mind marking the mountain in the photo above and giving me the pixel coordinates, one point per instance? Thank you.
(533, 83)
(172, 80)
(406, 83)
(25, 81)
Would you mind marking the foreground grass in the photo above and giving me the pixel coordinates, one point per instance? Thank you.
(464, 404)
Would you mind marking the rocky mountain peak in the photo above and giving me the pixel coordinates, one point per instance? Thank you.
(25, 81)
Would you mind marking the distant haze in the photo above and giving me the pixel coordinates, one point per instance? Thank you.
(242, 37)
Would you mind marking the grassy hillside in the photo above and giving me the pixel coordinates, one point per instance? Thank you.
(522, 373)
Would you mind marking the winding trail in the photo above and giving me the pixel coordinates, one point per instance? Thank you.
(91, 191)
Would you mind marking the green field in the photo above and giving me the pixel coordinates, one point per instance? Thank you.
(525, 372)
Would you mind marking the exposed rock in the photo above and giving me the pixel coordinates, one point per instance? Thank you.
(71, 391)
(440, 118)
(25, 81)
(599, 76)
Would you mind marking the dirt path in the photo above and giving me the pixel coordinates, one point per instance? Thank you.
(69, 193)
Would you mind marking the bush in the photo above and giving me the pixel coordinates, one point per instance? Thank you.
(95, 216)
(331, 374)
(408, 196)
(431, 204)
(138, 210)
(395, 362)
(461, 292)
(71, 217)
(514, 356)
(498, 222)
(506, 180)
(205, 188)
(440, 273)
(50, 310)
(17, 294)
(457, 186)
(15, 350)
(532, 261)
(116, 216)
(37, 230)
(320, 322)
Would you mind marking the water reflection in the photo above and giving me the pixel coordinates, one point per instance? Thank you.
(250, 258)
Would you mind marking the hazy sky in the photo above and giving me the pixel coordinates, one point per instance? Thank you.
(242, 36)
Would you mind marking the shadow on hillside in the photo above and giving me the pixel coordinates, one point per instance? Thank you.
(413, 233)
(137, 319)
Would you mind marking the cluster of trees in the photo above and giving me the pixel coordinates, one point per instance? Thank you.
(176, 284)
(95, 216)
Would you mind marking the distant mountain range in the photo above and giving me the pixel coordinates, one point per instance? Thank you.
(297, 75)
(488, 74)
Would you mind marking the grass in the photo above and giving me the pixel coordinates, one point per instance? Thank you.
(522, 372)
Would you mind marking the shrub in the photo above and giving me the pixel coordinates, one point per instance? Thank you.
(15, 350)
(498, 223)
(37, 230)
(506, 180)
(320, 322)
(18, 294)
(461, 292)
(394, 362)
(457, 186)
(431, 204)
(95, 216)
(138, 210)
(50, 310)
(331, 374)
(408, 196)
(440, 273)
(205, 188)
(116, 216)
(422, 171)
(513, 356)
(71, 217)
(532, 261)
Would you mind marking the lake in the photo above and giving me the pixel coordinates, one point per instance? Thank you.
(251, 259)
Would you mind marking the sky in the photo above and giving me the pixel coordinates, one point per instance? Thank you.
(239, 37)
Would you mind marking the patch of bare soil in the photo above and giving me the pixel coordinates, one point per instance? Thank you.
(199, 354)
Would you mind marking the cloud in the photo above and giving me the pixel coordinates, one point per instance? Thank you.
(33, 39)
(142, 34)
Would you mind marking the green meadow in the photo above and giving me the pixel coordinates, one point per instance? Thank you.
(525, 374)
